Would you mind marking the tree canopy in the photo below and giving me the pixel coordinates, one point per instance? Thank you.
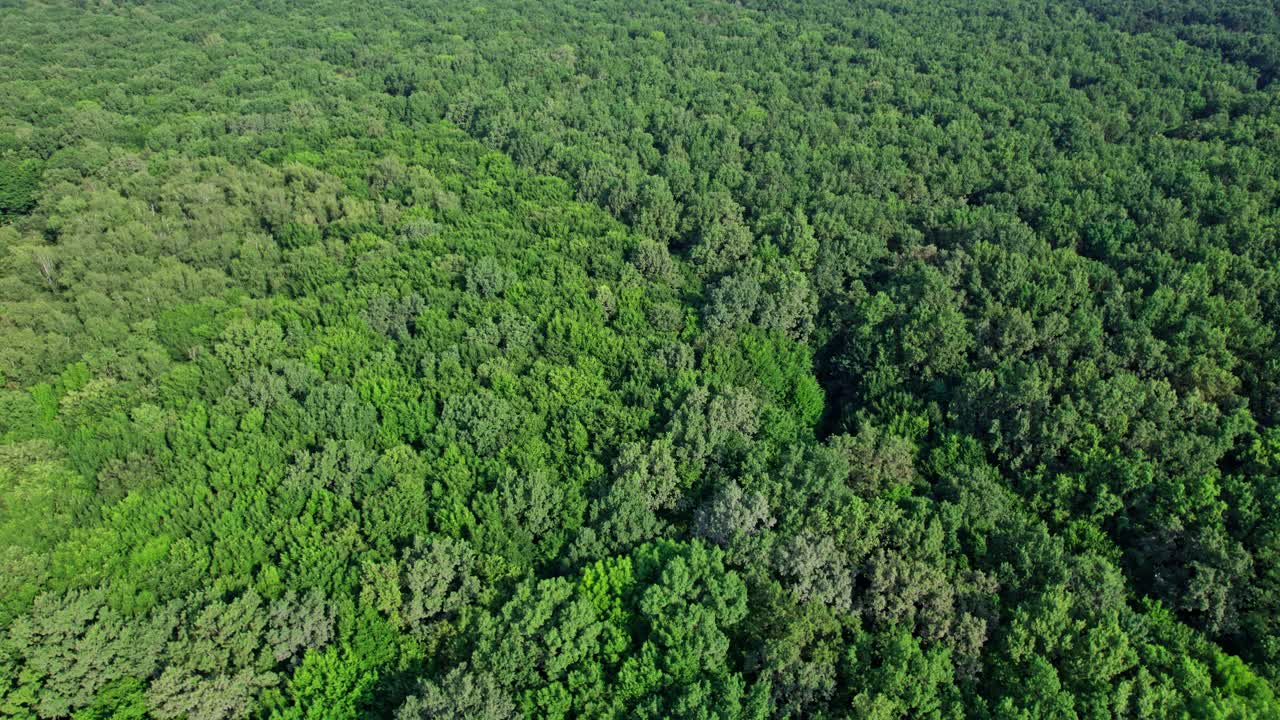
(885, 359)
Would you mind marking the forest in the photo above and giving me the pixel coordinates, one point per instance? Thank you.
(767, 359)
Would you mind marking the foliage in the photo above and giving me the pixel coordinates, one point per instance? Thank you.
(640, 359)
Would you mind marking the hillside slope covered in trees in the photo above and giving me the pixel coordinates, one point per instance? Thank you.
(890, 359)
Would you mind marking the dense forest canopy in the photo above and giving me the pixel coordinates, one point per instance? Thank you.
(770, 359)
